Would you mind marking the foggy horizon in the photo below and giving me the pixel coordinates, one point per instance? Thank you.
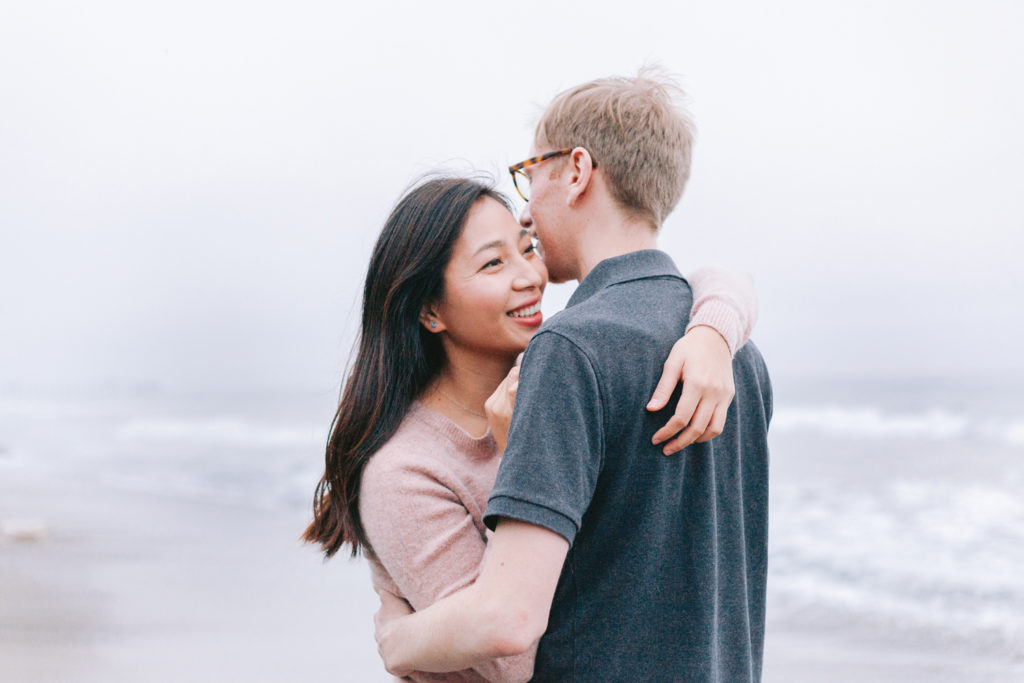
(190, 206)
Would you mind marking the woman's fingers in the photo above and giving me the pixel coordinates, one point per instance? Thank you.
(717, 423)
(684, 412)
(670, 375)
(504, 395)
(698, 426)
(498, 407)
(702, 362)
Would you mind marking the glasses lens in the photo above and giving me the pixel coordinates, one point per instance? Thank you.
(537, 244)
(522, 184)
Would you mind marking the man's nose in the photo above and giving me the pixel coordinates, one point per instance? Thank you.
(525, 219)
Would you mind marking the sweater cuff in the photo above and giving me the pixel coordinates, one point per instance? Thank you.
(722, 317)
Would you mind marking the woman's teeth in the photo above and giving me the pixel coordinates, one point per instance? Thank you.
(525, 312)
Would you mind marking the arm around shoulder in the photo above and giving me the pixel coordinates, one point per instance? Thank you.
(726, 301)
(723, 301)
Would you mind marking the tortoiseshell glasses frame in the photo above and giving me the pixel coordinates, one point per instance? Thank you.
(518, 177)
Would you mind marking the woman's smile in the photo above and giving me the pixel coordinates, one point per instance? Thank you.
(528, 314)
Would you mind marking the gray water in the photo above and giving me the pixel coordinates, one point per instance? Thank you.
(895, 504)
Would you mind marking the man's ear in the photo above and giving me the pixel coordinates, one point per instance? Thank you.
(430, 320)
(581, 174)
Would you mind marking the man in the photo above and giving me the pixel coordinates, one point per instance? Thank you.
(631, 565)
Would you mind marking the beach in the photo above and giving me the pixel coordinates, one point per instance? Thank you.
(134, 587)
(160, 542)
(130, 586)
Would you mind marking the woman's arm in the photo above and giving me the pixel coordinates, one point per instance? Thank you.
(427, 541)
(723, 315)
(725, 301)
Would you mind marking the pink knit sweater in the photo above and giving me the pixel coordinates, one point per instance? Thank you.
(423, 494)
(422, 503)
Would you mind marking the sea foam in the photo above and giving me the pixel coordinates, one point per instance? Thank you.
(865, 422)
(217, 431)
(938, 554)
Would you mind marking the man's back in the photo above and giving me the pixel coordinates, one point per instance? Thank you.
(666, 575)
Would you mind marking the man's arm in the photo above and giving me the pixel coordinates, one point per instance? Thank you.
(543, 489)
(425, 540)
(503, 614)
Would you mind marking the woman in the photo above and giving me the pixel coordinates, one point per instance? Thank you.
(452, 296)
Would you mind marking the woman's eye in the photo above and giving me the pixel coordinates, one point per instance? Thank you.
(493, 263)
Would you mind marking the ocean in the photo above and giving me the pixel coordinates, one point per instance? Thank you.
(896, 504)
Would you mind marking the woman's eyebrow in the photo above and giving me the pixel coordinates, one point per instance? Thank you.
(490, 245)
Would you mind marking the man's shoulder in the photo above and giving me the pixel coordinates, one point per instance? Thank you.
(749, 361)
(637, 303)
(633, 317)
(753, 384)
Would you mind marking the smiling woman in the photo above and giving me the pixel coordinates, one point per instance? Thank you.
(493, 285)
(452, 296)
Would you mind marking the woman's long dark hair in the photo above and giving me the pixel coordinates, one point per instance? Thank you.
(397, 358)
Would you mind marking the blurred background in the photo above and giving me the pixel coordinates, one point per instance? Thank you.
(189, 193)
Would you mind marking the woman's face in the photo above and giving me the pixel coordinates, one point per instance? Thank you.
(493, 284)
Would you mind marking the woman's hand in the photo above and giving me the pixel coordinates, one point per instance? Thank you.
(499, 405)
(703, 362)
(391, 607)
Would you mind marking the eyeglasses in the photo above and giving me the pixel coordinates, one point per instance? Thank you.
(521, 180)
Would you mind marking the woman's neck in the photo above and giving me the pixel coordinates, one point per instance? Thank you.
(462, 388)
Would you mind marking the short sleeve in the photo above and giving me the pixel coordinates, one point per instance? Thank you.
(556, 441)
(421, 533)
(424, 537)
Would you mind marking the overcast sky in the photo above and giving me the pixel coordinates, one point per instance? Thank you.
(189, 191)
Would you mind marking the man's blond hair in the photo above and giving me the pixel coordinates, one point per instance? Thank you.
(637, 132)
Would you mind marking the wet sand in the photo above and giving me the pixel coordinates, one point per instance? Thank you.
(813, 648)
(134, 587)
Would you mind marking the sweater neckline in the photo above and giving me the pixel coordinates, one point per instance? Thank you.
(477, 445)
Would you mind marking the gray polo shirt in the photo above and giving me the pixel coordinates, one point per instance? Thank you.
(665, 577)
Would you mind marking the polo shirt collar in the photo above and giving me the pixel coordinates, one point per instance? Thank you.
(636, 265)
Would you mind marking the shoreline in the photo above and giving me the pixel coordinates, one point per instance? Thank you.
(129, 586)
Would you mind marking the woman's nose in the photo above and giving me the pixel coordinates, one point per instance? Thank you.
(528, 276)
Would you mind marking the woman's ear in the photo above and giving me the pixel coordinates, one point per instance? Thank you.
(429, 320)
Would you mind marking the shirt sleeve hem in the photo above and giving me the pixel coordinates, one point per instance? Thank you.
(532, 513)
